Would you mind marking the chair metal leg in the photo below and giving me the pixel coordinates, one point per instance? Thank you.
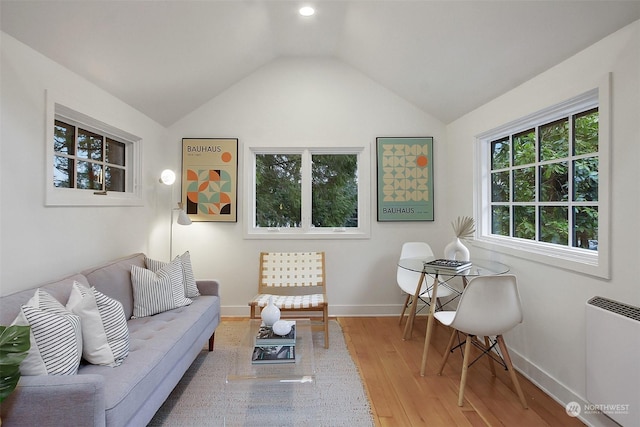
(512, 372)
(445, 356)
(465, 369)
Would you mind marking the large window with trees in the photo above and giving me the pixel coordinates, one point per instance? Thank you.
(303, 191)
(544, 182)
(541, 185)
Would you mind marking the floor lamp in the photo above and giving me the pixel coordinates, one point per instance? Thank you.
(168, 177)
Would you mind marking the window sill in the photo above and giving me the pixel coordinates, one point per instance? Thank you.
(299, 234)
(74, 197)
(577, 260)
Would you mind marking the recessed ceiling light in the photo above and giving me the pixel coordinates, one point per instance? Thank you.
(307, 11)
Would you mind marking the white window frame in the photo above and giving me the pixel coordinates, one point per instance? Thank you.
(67, 110)
(580, 260)
(362, 231)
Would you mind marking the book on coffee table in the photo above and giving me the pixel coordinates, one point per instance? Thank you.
(274, 354)
(448, 264)
(266, 336)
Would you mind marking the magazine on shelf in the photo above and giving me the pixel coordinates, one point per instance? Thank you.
(266, 336)
(274, 354)
(448, 264)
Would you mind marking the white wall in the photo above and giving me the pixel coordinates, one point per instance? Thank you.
(550, 345)
(311, 102)
(39, 243)
(318, 102)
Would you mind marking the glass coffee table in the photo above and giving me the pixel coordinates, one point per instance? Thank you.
(273, 394)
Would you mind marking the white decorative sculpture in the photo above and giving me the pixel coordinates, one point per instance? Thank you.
(464, 228)
(281, 327)
(270, 314)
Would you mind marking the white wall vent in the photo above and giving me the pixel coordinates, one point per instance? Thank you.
(613, 355)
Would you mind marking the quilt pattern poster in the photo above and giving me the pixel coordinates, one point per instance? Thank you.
(210, 178)
(405, 179)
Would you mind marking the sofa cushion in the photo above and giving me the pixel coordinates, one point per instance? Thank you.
(157, 292)
(162, 346)
(56, 337)
(105, 336)
(114, 279)
(189, 281)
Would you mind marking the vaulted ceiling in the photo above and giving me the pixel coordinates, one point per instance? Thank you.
(167, 58)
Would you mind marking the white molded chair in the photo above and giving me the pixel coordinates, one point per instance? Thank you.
(489, 306)
(408, 280)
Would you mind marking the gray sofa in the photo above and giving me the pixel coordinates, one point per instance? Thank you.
(162, 347)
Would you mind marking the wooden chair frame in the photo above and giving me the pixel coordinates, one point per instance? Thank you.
(297, 282)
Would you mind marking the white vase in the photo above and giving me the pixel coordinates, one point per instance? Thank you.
(456, 250)
(270, 314)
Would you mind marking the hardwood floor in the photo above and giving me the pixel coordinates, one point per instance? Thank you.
(401, 397)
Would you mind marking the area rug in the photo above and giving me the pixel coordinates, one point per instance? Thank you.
(199, 399)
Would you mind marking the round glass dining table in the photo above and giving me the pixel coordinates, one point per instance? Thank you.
(479, 267)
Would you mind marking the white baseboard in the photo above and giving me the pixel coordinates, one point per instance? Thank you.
(559, 392)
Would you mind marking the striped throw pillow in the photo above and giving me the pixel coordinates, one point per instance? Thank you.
(56, 337)
(190, 287)
(189, 281)
(105, 336)
(155, 292)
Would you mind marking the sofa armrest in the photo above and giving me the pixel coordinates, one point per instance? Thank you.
(49, 399)
(208, 287)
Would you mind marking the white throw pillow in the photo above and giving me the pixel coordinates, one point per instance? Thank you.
(56, 337)
(105, 336)
(190, 287)
(155, 292)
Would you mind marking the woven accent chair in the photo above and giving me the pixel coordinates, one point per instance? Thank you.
(297, 283)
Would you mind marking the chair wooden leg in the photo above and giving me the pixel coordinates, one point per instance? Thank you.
(408, 327)
(487, 345)
(512, 372)
(404, 308)
(445, 356)
(465, 369)
(325, 315)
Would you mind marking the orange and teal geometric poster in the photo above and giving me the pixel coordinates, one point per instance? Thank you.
(405, 179)
(210, 178)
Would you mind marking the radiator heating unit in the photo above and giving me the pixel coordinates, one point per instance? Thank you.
(613, 360)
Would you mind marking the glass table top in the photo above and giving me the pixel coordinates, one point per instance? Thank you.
(479, 267)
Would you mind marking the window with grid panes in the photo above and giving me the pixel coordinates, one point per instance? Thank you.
(88, 160)
(542, 184)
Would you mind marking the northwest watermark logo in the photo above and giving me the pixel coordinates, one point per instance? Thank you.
(574, 409)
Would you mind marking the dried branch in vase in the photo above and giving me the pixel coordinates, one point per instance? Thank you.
(464, 227)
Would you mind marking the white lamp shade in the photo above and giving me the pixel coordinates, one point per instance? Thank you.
(168, 177)
(183, 218)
